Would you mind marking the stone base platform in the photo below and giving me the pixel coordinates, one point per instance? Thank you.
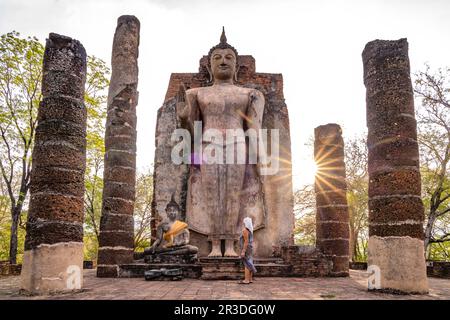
(226, 268)
(438, 269)
(269, 288)
(221, 268)
(306, 261)
(137, 269)
(288, 261)
(211, 268)
(168, 258)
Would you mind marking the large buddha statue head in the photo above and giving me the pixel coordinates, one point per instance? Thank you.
(222, 61)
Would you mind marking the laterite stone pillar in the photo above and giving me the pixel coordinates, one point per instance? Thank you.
(332, 220)
(53, 258)
(116, 240)
(396, 212)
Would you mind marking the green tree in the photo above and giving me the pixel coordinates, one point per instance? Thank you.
(97, 82)
(432, 89)
(5, 218)
(20, 94)
(357, 195)
(142, 210)
(305, 215)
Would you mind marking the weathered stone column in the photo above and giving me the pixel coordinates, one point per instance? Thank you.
(396, 212)
(332, 221)
(53, 258)
(116, 240)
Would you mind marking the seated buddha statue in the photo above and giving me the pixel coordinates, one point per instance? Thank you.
(172, 235)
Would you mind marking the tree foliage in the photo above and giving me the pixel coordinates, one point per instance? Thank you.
(305, 215)
(432, 88)
(357, 195)
(142, 210)
(97, 82)
(20, 95)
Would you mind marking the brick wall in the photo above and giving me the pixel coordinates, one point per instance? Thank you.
(306, 261)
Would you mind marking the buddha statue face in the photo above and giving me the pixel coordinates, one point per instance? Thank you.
(223, 64)
(172, 212)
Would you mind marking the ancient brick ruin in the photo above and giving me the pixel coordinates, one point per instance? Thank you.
(116, 240)
(332, 219)
(53, 258)
(396, 212)
(279, 221)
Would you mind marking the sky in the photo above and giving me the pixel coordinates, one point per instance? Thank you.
(316, 45)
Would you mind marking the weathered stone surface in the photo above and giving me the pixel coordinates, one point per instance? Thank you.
(268, 288)
(438, 269)
(172, 238)
(332, 197)
(121, 158)
(329, 183)
(118, 237)
(163, 188)
(52, 232)
(222, 268)
(395, 209)
(392, 164)
(407, 229)
(114, 189)
(120, 174)
(57, 175)
(122, 142)
(358, 265)
(395, 148)
(75, 189)
(400, 262)
(332, 230)
(333, 213)
(305, 261)
(226, 268)
(329, 153)
(396, 212)
(53, 258)
(118, 206)
(108, 271)
(400, 182)
(278, 225)
(332, 219)
(126, 124)
(59, 154)
(167, 258)
(340, 266)
(57, 207)
(53, 268)
(61, 83)
(137, 270)
(221, 194)
(335, 247)
(7, 269)
(111, 222)
(391, 126)
(111, 257)
(120, 150)
(74, 111)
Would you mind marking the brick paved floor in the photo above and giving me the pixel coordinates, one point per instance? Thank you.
(353, 287)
